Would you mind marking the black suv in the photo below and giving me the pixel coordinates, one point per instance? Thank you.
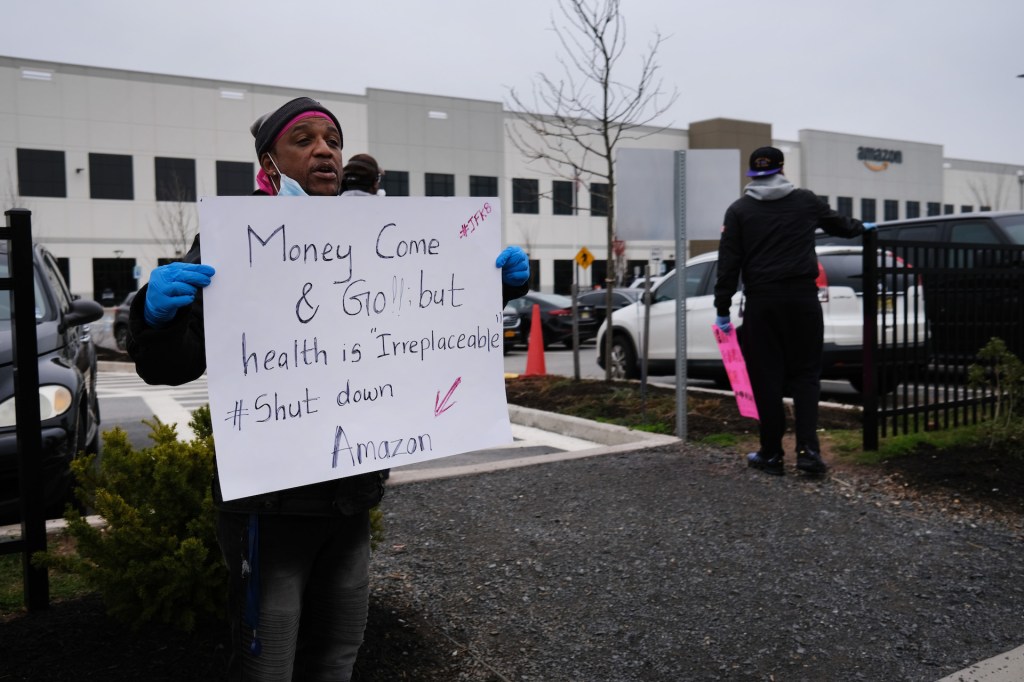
(69, 408)
(971, 268)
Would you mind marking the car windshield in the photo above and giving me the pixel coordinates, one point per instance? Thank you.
(847, 270)
(1014, 227)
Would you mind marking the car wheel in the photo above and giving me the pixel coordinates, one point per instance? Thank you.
(121, 338)
(623, 359)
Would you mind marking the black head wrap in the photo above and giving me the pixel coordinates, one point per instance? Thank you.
(268, 126)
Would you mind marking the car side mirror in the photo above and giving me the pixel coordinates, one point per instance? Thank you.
(81, 312)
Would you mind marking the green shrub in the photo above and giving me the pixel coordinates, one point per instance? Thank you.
(1002, 373)
(157, 558)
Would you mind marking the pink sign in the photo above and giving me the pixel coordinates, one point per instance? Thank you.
(736, 368)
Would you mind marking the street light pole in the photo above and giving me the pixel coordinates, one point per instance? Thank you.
(1020, 184)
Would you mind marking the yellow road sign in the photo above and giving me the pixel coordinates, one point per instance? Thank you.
(584, 257)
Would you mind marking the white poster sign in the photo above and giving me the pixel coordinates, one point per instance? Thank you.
(346, 335)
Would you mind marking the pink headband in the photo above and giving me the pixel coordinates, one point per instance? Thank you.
(304, 114)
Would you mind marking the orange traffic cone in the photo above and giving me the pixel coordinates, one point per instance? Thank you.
(535, 347)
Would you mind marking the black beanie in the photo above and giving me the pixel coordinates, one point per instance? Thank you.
(268, 126)
(361, 171)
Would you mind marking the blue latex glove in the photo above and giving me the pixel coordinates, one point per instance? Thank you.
(515, 266)
(173, 286)
(869, 226)
(723, 323)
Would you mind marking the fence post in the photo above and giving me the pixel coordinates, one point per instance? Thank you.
(21, 281)
(870, 341)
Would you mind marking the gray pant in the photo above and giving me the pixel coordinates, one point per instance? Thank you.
(313, 595)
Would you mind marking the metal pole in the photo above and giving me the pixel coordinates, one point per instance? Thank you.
(646, 342)
(576, 324)
(21, 273)
(870, 339)
(680, 211)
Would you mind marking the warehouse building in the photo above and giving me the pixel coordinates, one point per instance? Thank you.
(111, 163)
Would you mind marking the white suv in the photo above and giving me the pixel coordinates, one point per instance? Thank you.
(840, 290)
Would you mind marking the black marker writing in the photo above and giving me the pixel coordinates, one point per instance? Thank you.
(326, 252)
(372, 450)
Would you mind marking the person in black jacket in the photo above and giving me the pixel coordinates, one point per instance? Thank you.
(768, 241)
(298, 559)
(361, 177)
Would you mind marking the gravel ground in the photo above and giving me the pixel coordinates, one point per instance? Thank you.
(681, 564)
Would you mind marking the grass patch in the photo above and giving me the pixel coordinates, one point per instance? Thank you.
(849, 443)
(722, 440)
(62, 585)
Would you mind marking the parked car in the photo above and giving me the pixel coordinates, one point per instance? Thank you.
(840, 290)
(512, 328)
(121, 321)
(639, 282)
(598, 299)
(972, 265)
(988, 227)
(555, 317)
(68, 404)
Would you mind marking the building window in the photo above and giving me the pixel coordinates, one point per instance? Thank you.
(234, 178)
(525, 196)
(934, 208)
(562, 197)
(563, 276)
(110, 176)
(395, 183)
(966, 209)
(844, 206)
(175, 179)
(892, 209)
(599, 198)
(824, 198)
(483, 186)
(64, 265)
(913, 209)
(41, 173)
(112, 279)
(985, 208)
(439, 185)
(867, 210)
(948, 209)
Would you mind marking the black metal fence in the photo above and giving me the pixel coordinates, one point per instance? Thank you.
(932, 308)
(18, 284)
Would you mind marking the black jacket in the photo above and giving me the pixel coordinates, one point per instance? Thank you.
(176, 354)
(770, 242)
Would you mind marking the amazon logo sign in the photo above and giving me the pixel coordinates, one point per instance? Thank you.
(878, 159)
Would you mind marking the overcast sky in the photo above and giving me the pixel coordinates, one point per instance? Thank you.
(942, 72)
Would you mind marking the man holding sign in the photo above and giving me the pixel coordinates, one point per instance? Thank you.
(768, 240)
(298, 558)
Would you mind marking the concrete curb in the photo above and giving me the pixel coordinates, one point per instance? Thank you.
(613, 439)
(584, 429)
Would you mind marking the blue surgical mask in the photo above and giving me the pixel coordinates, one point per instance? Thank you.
(288, 187)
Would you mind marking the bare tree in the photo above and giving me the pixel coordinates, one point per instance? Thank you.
(177, 221)
(576, 120)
